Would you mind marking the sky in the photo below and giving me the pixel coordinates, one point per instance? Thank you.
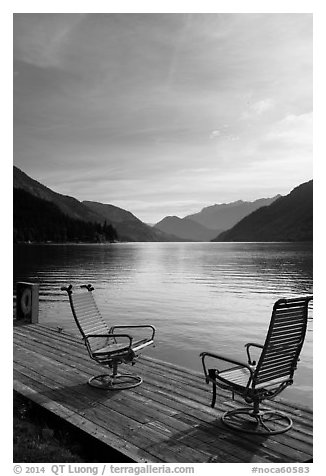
(163, 114)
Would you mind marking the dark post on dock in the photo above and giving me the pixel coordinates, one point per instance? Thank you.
(27, 299)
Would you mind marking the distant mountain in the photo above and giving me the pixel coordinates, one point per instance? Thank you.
(224, 216)
(185, 229)
(210, 221)
(289, 218)
(129, 227)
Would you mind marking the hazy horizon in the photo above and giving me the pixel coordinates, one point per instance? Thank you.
(209, 205)
(164, 114)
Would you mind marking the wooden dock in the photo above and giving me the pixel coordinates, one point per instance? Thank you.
(166, 419)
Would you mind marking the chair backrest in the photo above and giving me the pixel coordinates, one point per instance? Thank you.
(284, 341)
(88, 318)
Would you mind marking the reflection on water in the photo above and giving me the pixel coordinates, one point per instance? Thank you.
(200, 296)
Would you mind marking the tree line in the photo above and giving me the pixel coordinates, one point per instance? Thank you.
(38, 220)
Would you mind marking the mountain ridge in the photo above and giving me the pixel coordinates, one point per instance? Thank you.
(185, 228)
(127, 224)
(36, 220)
(77, 210)
(289, 218)
(225, 215)
(68, 205)
(212, 220)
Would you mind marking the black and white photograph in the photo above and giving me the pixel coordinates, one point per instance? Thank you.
(162, 239)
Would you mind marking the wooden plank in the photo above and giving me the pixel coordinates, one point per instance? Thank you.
(191, 437)
(93, 429)
(158, 365)
(141, 410)
(299, 435)
(121, 423)
(89, 363)
(94, 367)
(159, 407)
(175, 425)
(127, 430)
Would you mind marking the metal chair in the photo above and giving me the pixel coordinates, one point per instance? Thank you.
(269, 376)
(104, 344)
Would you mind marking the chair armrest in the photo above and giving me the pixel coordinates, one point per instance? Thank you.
(112, 329)
(247, 346)
(114, 336)
(203, 356)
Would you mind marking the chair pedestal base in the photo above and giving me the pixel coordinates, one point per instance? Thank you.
(115, 382)
(263, 422)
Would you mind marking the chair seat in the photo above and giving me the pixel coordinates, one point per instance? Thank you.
(275, 381)
(116, 347)
(111, 349)
(237, 376)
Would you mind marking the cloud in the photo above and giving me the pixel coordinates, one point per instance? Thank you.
(258, 108)
(295, 130)
(214, 134)
(262, 106)
(223, 135)
(138, 107)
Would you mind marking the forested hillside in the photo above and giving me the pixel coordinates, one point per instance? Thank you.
(39, 220)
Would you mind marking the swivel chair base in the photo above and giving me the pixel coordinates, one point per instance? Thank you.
(115, 382)
(263, 422)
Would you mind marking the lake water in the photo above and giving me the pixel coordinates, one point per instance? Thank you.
(200, 296)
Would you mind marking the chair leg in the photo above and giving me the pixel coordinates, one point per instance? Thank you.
(257, 421)
(211, 373)
(115, 381)
(213, 396)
